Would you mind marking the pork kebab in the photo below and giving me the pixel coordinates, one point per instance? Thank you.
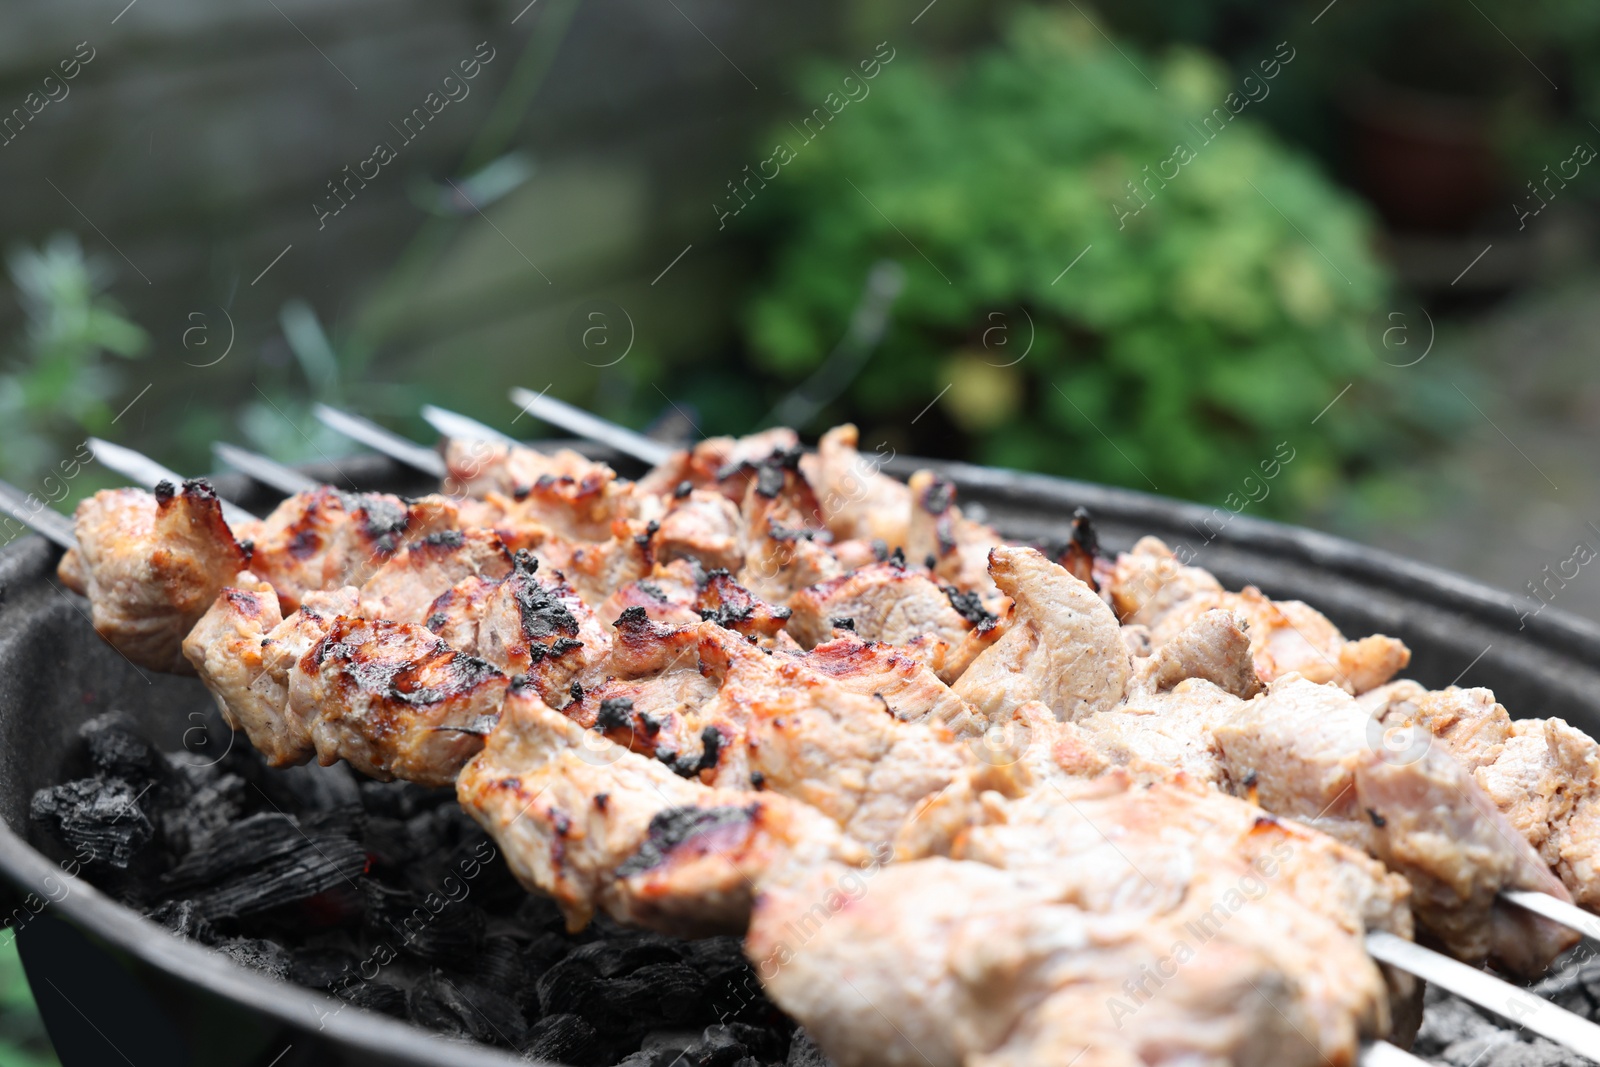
(405, 673)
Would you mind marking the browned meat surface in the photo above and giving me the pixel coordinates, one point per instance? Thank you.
(785, 545)
(1173, 728)
(325, 538)
(244, 649)
(394, 700)
(457, 613)
(908, 689)
(406, 587)
(1310, 752)
(888, 602)
(596, 569)
(721, 463)
(1149, 587)
(542, 628)
(600, 828)
(858, 501)
(1543, 774)
(1214, 647)
(958, 547)
(1062, 645)
(570, 494)
(151, 565)
(667, 595)
(728, 604)
(704, 526)
(1122, 922)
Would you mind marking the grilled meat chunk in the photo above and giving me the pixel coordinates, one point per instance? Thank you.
(785, 544)
(910, 691)
(1310, 752)
(568, 493)
(244, 649)
(887, 602)
(1062, 645)
(1543, 774)
(1064, 925)
(858, 501)
(725, 464)
(667, 595)
(704, 526)
(151, 565)
(543, 629)
(325, 538)
(394, 700)
(1214, 647)
(1149, 587)
(406, 587)
(730, 605)
(600, 828)
(958, 547)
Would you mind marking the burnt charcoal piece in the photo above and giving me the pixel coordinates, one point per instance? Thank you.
(803, 1052)
(429, 927)
(571, 985)
(323, 968)
(96, 817)
(442, 1003)
(650, 1058)
(728, 1045)
(380, 997)
(261, 863)
(116, 750)
(499, 965)
(656, 992)
(401, 800)
(560, 1039)
(259, 954)
(183, 918)
(196, 804)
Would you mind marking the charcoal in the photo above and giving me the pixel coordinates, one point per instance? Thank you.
(116, 750)
(669, 992)
(380, 997)
(313, 787)
(561, 1039)
(388, 842)
(443, 1004)
(803, 1052)
(184, 918)
(399, 800)
(99, 817)
(1446, 1020)
(426, 1007)
(642, 1058)
(202, 805)
(727, 1045)
(449, 932)
(669, 1041)
(499, 964)
(259, 954)
(541, 913)
(263, 862)
(322, 968)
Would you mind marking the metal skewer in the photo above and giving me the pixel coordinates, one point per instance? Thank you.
(582, 424)
(1483, 989)
(381, 440)
(266, 471)
(147, 472)
(1383, 1054)
(452, 424)
(48, 523)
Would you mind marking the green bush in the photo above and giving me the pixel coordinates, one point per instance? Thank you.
(1188, 342)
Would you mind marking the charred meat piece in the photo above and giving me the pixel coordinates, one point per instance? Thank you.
(543, 629)
(325, 538)
(786, 546)
(405, 588)
(570, 494)
(603, 829)
(908, 689)
(728, 604)
(667, 595)
(1062, 645)
(725, 464)
(958, 547)
(151, 565)
(887, 602)
(394, 700)
(704, 526)
(1150, 587)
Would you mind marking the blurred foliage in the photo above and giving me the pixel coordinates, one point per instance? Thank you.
(1175, 355)
(55, 382)
(22, 1038)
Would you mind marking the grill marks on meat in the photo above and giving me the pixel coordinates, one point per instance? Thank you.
(1062, 645)
(1310, 752)
(730, 605)
(394, 700)
(1150, 588)
(1542, 774)
(405, 588)
(660, 851)
(325, 538)
(1041, 941)
(542, 629)
(151, 565)
(908, 689)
